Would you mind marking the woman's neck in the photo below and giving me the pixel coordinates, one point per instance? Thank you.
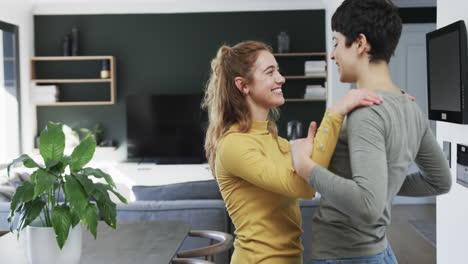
(258, 113)
(376, 76)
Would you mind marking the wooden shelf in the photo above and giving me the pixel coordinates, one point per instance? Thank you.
(75, 103)
(304, 100)
(300, 54)
(299, 77)
(98, 148)
(293, 63)
(71, 58)
(71, 80)
(111, 80)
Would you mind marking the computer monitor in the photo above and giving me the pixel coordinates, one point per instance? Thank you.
(447, 73)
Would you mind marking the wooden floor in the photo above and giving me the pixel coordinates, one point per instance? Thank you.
(409, 246)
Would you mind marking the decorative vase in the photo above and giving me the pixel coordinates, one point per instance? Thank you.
(75, 42)
(66, 45)
(283, 42)
(42, 248)
(105, 73)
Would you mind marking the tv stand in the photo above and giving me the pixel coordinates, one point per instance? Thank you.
(151, 174)
(167, 160)
(178, 160)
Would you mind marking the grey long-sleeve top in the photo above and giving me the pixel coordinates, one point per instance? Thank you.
(375, 149)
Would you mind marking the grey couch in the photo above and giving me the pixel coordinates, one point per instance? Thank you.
(203, 213)
(201, 205)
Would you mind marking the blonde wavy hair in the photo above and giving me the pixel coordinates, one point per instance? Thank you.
(225, 104)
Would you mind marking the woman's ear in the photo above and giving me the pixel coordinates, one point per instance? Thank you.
(241, 84)
(362, 44)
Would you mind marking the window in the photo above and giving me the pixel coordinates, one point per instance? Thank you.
(10, 126)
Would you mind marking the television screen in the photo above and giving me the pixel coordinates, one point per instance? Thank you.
(166, 129)
(447, 73)
(444, 71)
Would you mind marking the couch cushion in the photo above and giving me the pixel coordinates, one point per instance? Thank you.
(197, 190)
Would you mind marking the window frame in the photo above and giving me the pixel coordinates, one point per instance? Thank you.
(14, 29)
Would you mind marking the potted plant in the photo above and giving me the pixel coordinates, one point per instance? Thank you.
(39, 202)
(95, 132)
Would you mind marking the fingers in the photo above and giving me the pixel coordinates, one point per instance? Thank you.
(368, 97)
(357, 98)
(373, 97)
(312, 130)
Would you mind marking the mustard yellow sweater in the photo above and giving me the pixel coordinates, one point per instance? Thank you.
(261, 189)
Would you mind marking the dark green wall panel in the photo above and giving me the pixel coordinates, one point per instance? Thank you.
(167, 53)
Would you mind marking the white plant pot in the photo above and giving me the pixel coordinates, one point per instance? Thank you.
(42, 248)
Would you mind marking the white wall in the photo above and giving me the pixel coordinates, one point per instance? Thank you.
(19, 13)
(452, 208)
(336, 89)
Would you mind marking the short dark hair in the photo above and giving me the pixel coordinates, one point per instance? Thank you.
(378, 20)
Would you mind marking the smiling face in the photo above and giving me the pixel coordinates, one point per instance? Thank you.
(346, 58)
(265, 89)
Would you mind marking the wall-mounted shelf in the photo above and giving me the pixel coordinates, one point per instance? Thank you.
(292, 64)
(63, 80)
(71, 80)
(75, 103)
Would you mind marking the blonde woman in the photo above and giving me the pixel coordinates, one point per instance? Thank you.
(251, 163)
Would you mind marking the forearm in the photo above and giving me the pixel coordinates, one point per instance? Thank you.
(350, 196)
(326, 138)
(434, 176)
(419, 185)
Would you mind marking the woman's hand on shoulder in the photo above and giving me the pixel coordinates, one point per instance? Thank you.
(356, 98)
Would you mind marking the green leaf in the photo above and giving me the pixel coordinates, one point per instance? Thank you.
(98, 174)
(82, 154)
(103, 194)
(61, 222)
(76, 195)
(52, 144)
(100, 192)
(64, 162)
(28, 162)
(23, 194)
(11, 216)
(44, 181)
(121, 198)
(107, 210)
(90, 218)
(87, 184)
(74, 217)
(30, 212)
